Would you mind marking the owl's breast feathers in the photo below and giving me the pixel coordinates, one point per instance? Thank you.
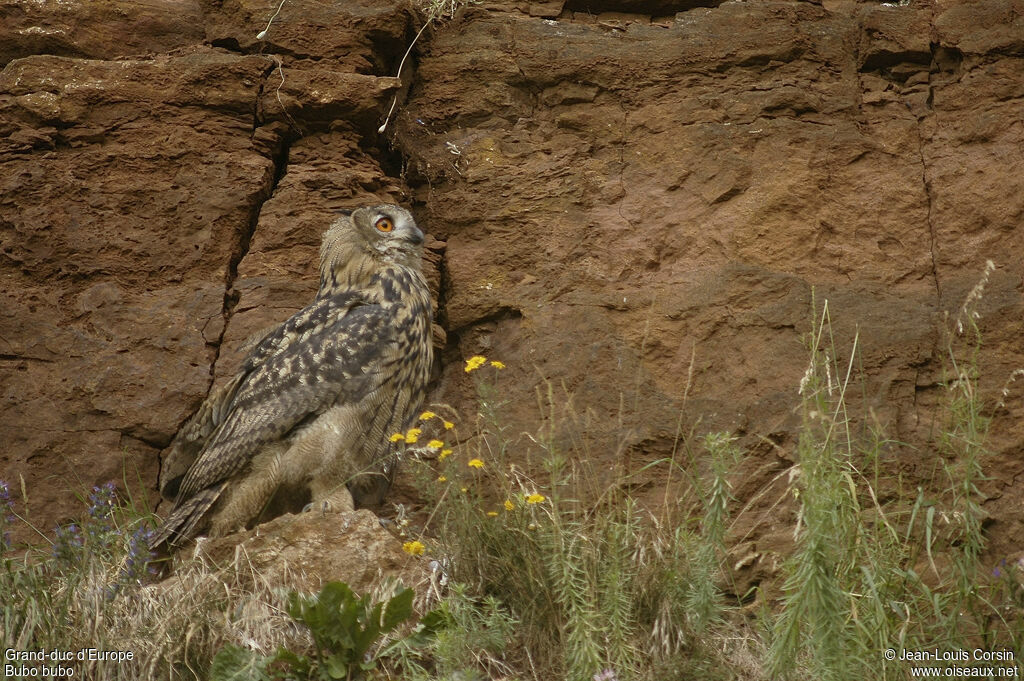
(369, 347)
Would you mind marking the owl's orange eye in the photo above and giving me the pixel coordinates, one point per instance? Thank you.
(384, 225)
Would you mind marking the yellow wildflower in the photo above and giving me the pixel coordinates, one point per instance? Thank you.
(413, 548)
(445, 453)
(509, 506)
(413, 435)
(442, 478)
(448, 425)
(534, 498)
(465, 489)
(396, 437)
(435, 444)
(475, 463)
(474, 363)
(427, 415)
(491, 514)
(497, 365)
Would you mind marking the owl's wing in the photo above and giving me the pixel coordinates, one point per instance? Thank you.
(325, 354)
(328, 353)
(192, 437)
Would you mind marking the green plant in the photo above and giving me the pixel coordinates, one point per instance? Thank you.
(345, 630)
(813, 623)
(471, 639)
(89, 566)
(855, 586)
(88, 589)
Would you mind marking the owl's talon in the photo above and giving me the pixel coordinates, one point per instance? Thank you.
(325, 506)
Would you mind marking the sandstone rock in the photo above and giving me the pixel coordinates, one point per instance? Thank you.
(305, 551)
(981, 27)
(717, 172)
(894, 34)
(99, 30)
(114, 301)
(361, 36)
(322, 96)
(547, 10)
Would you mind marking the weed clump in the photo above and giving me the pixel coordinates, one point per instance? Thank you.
(854, 587)
(597, 586)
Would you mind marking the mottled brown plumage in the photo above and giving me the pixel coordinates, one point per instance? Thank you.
(309, 415)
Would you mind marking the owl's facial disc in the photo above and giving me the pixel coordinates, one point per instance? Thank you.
(396, 224)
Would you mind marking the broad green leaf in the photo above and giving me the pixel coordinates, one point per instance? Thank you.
(398, 610)
(234, 663)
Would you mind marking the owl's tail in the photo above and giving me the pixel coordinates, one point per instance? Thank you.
(180, 526)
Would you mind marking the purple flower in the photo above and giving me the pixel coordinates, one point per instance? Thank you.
(6, 505)
(6, 516)
(138, 557)
(101, 501)
(136, 564)
(69, 541)
(100, 524)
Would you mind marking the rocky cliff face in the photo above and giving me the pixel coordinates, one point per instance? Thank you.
(633, 200)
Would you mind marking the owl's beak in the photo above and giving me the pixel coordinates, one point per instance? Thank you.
(415, 236)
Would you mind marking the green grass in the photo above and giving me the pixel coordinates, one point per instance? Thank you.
(88, 588)
(881, 584)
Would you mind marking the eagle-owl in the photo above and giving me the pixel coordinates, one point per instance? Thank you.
(309, 414)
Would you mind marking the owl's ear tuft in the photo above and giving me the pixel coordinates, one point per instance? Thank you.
(344, 212)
